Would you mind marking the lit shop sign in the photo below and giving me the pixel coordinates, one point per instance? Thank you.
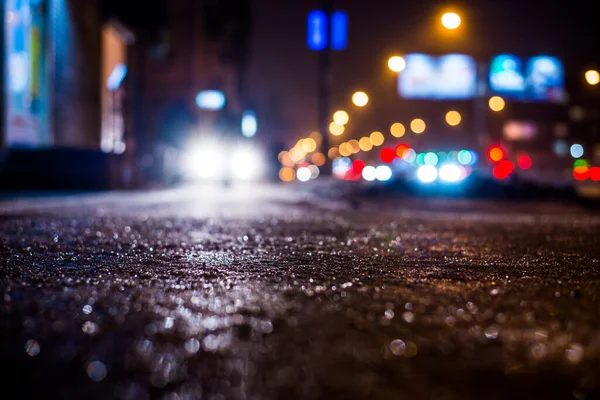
(539, 78)
(449, 77)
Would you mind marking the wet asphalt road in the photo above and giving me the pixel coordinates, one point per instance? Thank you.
(268, 293)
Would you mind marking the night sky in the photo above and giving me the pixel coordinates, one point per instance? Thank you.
(283, 72)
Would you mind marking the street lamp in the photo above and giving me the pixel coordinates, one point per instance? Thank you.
(453, 118)
(451, 20)
(396, 64)
(418, 126)
(336, 129)
(497, 103)
(592, 77)
(341, 117)
(360, 99)
(397, 130)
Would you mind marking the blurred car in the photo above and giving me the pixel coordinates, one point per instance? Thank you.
(224, 160)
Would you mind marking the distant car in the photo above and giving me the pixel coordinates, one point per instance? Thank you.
(228, 161)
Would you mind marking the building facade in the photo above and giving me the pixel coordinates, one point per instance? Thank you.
(94, 90)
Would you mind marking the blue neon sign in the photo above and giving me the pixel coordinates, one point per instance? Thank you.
(116, 77)
(316, 38)
(339, 30)
(545, 79)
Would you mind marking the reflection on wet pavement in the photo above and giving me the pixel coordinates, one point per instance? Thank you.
(159, 302)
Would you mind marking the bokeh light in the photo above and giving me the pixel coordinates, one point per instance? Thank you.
(336, 129)
(341, 117)
(304, 174)
(409, 156)
(581, 173)
(496, 154)
(427, 173)
(377, 138)
(360, 99)
(314, 171)
(400, 149)
(32, 348)
(465, 157)
(383, 173)
(368, 173)
(287, 174)
(595, 174)
(354, 147)
(396, 64)
(387, 155)
(577, 150)
(592, 77)
(318, 159)
(503, 169)
(397, 130)
(333, 153)
(345, 150)
(431, 159)
(358, 166)
(524, 162)
(451, 20)
(453, 118)
(497, 103)
(309, 145)
(417, 125)
(451, 173)
(365, 144)
(316, 136)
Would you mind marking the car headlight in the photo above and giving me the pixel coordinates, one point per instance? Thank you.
(451, 173)
(246, 163)
(427, 173)
(204, 161)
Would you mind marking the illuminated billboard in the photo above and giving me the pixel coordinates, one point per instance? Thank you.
(23, 49)
(506, 76)
(545, 79)
(451, 77)
(520, 130)
(539, 78)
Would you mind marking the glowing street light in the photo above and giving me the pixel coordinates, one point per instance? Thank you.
(497, 103)
(417, 126)
(451, 21)
(336, 129)
(341, 117)
(396, 64)
(377, 138)
(592, 77)
(360, 99)
(365, 144)
(453, 118)
(397, 130)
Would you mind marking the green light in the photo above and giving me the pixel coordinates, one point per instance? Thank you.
(431, 159)
(420, 159)
(465, 157)
(580, 163)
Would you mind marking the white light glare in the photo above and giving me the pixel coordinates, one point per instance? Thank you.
(451, 173)
(303, 174)
(246, 163)
(383, 173)
(427, 173)
(212, 100)
(205, 161)
(249, 124)
(368, 173)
